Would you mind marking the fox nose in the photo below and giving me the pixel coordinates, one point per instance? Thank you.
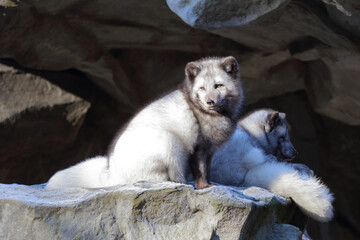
(293, 153)
(210, 102)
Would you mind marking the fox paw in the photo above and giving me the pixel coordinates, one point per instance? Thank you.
(201, 184)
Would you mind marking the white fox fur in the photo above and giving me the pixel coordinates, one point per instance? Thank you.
(312, 196)
(241, 162)
(91, 173)
(153, 132)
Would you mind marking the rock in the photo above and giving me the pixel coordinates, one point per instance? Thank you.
(36, 117)
(16, 86)
(45, 36)
(346, 7)
(216, 14)
(271, 75)
(143, 211)
(332, 86)
(267, 32)
(102, 29)
(286, 232)
(349, 22)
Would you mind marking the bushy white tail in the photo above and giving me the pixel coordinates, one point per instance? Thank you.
(90, 173)
(312, 196)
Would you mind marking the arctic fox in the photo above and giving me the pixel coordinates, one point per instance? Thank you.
(250, 158)
(179, 130)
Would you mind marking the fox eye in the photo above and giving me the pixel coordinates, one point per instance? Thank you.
(202, 88)
(218, 85)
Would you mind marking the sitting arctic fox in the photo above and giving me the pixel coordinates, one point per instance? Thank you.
(174, 133)
(250, 158)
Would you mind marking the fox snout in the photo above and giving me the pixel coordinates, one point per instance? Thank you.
(293, 152)
(290, 153)
(210, 102)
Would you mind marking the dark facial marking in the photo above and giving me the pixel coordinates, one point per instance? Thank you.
(192, 69)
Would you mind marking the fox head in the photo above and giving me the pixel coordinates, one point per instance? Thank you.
(270, 131)
(277, 135)
(213, 85)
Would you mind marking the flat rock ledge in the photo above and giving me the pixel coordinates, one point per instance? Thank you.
(143, 211)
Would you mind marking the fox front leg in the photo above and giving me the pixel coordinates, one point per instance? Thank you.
(200, 167)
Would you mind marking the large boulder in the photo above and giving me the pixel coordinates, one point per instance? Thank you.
(220, 14)
(144, 211)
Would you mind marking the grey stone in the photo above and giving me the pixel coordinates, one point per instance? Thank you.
(286, 232)
(142, 211)
(349, 22)
(37, 119)
(272, 75)
(20, 91)
(219, 14)
(332, 86)
(346, 7)
(278, 29)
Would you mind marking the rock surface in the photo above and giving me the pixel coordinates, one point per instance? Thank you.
(16, 86)
(143, 211)
(332, 86)
(37, 120)
(216, 14)
(109, 40)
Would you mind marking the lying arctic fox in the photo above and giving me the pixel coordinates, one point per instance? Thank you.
(175, 132)
(250, 158)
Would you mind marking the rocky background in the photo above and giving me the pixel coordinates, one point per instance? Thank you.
(73, 71)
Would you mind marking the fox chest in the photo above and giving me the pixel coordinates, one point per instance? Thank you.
(216, 131)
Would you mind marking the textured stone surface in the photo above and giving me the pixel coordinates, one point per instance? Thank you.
(23, 91)
(143, 211)
(276, 30)
(217, 14)
(108, 44)
(333, 86)
(37, 118)
(347, 7)
(350, 23)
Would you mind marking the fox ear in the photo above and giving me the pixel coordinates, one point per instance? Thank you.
(271, 121)
(192, 69)
(230, 65)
